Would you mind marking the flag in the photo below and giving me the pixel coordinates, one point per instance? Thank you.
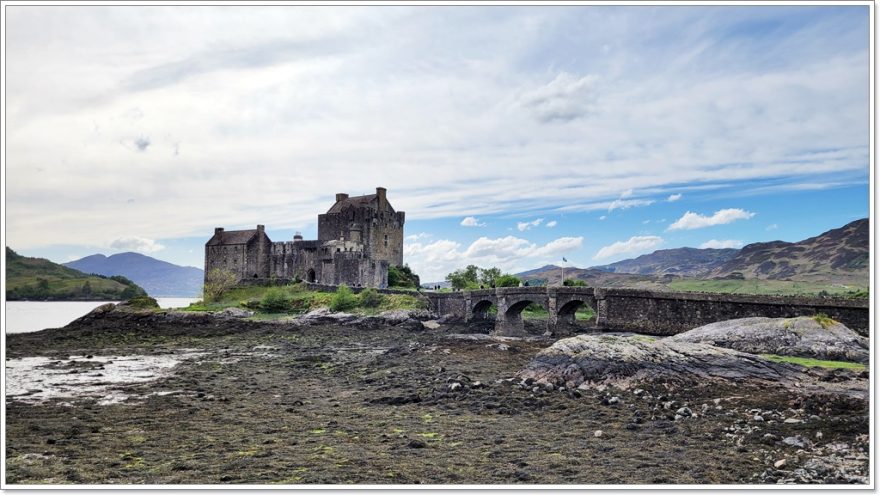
(565, 260)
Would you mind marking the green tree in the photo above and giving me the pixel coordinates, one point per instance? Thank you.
(370, 298)
(467, 278)
(570, 282)
(275, 300)
(507, 280)
(86, 289)
(488, 277)
(402, 276)
(344, 299)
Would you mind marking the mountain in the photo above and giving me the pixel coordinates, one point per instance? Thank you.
(839, 256)
(594, 277)
(40, 279)
(158, 278)
(686, 262)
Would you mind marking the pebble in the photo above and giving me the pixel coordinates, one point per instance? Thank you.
(684, 411)
(454, 386)
(758, 418)
(597, 433)
(780, 463)
(819, 434)
(614, 400)
(792, 420)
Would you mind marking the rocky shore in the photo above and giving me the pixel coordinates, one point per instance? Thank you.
(410, 398)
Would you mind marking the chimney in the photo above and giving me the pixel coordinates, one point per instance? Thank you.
(380, 193)
(261, 229)
(341, 197)
(297, 237)
(218, 230)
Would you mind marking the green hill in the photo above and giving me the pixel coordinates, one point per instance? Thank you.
(38, 279)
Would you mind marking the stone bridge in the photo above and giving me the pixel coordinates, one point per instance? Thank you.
(658, 313)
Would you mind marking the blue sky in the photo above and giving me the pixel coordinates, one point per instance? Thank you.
(607, 132)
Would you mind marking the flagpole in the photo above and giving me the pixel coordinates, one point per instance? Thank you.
(562, 276)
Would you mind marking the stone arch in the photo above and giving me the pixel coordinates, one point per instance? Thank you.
(510, 318)
(480, 311)
(310, 276)
(566, 321)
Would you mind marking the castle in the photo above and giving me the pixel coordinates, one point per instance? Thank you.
(358, 239)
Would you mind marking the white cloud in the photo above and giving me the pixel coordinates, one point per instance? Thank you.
(524, 226)
(633, 245)
(229, 102)
(603, 217)
(551, 224)
(434, 260)
(645, 222)
(772, 226)
(623, 204)
(139, 244)
(418, 237)
(691, 220)
(716, 244)
(471, 222)
(673, 197)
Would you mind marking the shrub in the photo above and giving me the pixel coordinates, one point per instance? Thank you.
(402, 276)
(275, 300)
(218, 282)
(570, 282)
(370, 298)
(142, 302)
(507, 280)
(344, 299)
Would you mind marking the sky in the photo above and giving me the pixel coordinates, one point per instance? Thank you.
(511, 136)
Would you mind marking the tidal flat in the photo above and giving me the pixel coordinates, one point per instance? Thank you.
(237, 401)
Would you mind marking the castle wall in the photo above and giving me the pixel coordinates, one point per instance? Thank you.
(291, 260)
(386, 238)
(231, 258)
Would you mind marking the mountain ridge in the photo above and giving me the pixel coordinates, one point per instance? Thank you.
(159, 278)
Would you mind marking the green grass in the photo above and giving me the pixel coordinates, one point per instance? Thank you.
(764, 287)
(814, 363)
(297, 300)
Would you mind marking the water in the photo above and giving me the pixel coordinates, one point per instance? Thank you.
(31, 316)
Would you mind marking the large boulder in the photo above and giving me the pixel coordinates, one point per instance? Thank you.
(803, 336)
(624, 361)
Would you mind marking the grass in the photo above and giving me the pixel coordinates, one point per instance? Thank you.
(765, 287)
(296, 299)
(814, 363)
(824, 320)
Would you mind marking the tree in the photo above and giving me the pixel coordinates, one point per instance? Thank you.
(217, 283)
(402, 276)
(344, 299)
(570, 282)
(467, 278)
(489, 276)
(86, 289)
(507, 280)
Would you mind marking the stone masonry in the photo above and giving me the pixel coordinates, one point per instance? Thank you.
(358, 239)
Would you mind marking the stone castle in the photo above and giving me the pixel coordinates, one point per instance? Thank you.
(358, 239)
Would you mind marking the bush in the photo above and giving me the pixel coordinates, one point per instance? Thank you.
(217, 283)
(275, 300)
(344, 299)
(141, 302)
(507, 280)
(570, 282)
(370, 298)
(402, 276)
(824, 320)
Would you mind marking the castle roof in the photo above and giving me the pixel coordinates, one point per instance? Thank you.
(368, 201)
(232, 237)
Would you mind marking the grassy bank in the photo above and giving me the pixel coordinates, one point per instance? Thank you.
(296, 299)
(814, 363)
(767, 287)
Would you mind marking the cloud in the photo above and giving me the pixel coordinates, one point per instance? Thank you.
(623, 204)
(139, 244)
(471, 222)
(565, 98)
(645, 222)
(603, 217)
(633, 245)
(418, 237)
(248, 92)
(551, 224)
(690, 220)
(716, 244)
(673, 197)
(772, 226)
(524, 226)
(434, 260)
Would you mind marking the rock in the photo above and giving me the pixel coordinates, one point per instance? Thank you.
(454, 386)
(236, 313)
(597, 433)
(684, 411)
(431, 324)
(780, 463)
(416, 444)
(613, 400)
(792, 420)
(323, 316)
(802, 336)
(412, 325)
(819, 434)
(758, 418)
(796, 441)
(591, 360)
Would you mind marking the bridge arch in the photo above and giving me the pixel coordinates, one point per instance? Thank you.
(510, 313)
(480, 310)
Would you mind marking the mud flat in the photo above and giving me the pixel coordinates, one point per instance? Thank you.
(210, 399)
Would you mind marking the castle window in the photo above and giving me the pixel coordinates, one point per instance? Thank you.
(386, 240)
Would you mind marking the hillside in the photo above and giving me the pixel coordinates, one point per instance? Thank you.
(837, 256)
(41, 280)
(686, 262)
(158, 278)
